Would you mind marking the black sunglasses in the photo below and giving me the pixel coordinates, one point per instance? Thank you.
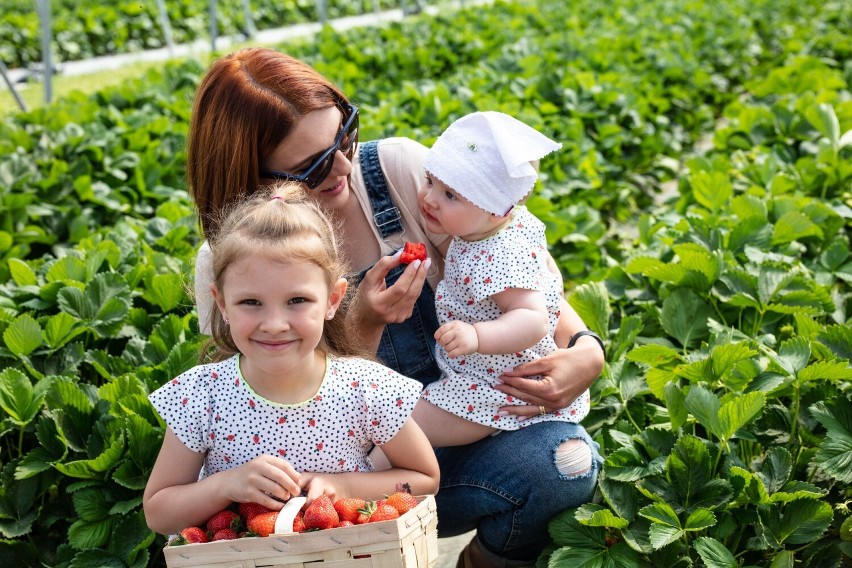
(319, 170)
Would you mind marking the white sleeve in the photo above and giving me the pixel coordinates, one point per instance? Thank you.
(203, 279)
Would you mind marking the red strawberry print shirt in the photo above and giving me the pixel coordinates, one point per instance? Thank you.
(213, 410)
(514, 257)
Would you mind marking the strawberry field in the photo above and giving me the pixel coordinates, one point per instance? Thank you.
(700, 211)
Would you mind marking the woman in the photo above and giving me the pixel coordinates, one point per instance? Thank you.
(261, 116)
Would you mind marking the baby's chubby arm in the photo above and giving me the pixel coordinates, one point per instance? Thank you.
(524, 323)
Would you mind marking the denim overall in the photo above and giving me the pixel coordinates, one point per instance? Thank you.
(407, 347)
(507, 486)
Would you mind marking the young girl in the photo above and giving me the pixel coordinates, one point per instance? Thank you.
(499, 300)
(283, 408)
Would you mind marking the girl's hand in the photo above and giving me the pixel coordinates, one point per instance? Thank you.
(564, 375)
(267, 480)
(316, 484)
(457, 338)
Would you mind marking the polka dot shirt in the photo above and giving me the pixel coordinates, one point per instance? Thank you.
(212, 410)
(515, 257)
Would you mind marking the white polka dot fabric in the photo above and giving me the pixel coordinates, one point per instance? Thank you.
(515, 257)
(213, 410)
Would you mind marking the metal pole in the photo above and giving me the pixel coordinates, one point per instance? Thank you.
(213, 30)
(404, 5)
(167, 27)
(43, 7)
(15, 94)
(321, 14)
(251, 30)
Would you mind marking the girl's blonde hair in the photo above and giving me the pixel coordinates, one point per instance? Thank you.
(284, 224)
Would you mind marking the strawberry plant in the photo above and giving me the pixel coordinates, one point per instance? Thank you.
(725, 300)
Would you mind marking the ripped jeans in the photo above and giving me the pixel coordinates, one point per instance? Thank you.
(509, 486)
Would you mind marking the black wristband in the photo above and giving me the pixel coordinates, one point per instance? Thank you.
(590, 333)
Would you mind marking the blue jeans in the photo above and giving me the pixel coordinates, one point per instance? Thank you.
(506, 486)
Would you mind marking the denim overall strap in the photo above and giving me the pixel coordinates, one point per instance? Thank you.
(385, 213)
(407, 347)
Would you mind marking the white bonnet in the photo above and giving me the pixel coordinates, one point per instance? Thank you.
(485, 157)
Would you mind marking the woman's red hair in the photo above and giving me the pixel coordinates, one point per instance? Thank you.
(244, 107)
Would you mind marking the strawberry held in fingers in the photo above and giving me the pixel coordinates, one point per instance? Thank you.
(411, 252)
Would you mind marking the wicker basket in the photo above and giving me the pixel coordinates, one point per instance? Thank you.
(410, 541)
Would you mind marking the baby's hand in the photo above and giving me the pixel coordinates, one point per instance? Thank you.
(457, 338)
(268, 480)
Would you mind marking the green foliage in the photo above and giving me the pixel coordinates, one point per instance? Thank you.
(87, 29)
(723, 412)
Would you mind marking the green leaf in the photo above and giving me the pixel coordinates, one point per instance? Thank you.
(596, 516)
(793, 226)
(826, 371)
(801, 522)
(96, 559)
(699, 520)
(794, 354)
(663, 535)
(591, 302)
(739, 411)
(684, 317)
(21, 273)
(566, 530)
(676, 405)
(784, 559)
(653, 355)
(704, 406)
(823, 118)
(688, 468)
(84, 535)
(165, 291)
(714, 554)
(661, 513)
(18, 398)
(23, 336)
(835, 451)
(60, 329)
(90, 504)
(724, 357)
(776, 469)
(711, 189)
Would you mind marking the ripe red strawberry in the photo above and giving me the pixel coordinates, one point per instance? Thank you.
(225, 534)
(263, 524)
(412, 251)
(347, 508)
(384, 512)
(226, 519)
(192, 535)
(402, 501)
(249, 510)
(299, 524)
(345, 524)
(320, 514)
